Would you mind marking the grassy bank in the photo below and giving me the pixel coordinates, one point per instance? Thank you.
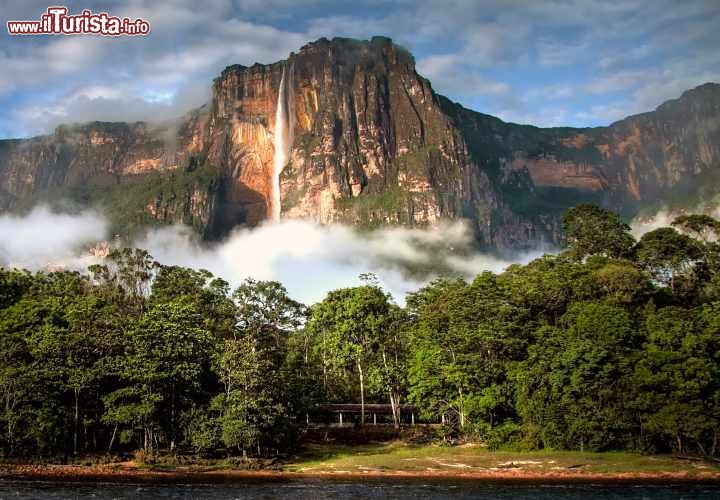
(399, 456)
(394, 459)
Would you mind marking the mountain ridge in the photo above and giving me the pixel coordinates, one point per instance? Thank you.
(373, 144)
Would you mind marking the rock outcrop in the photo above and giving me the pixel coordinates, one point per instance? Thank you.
(373, 144)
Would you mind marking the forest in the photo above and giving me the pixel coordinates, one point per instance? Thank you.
(612, 344)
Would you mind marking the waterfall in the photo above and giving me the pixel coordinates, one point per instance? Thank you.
(283, 137)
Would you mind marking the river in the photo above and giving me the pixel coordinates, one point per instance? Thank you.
(317, 489)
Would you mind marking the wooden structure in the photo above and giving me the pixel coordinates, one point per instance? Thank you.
(340, 412)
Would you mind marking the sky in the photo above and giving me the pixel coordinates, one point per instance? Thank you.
(543, 62)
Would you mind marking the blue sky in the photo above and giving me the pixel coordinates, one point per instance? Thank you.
(548, 63)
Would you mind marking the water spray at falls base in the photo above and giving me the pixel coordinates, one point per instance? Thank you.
(282, 137)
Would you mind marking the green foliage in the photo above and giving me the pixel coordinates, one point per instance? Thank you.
(465, 340)
(677, 378)
(665, 253)
(601, 347)
(568, 386)
(591, 230)
(148, 200)
(352, 324)
(393, 204)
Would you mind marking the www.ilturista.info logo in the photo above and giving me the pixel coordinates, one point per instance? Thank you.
(55, 21)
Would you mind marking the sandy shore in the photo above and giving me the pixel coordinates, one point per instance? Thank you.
(132, 474)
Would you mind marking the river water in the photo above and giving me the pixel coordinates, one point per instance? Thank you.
(312, 489)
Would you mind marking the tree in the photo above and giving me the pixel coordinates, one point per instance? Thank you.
(465, 339)
(621, 283)
(596, 348)
(706, 231)
(208, 294)
(169, 350)
(250, 409)
(72, 353)
(266, 311)
(17, 381)
(13, 285)
(351, 323)
(591, 230)
(571, 387)
(389, 374)
(666, 254)
(678, 379)
(548, 285)
(699, 226)
(251, 365)
(126, 278)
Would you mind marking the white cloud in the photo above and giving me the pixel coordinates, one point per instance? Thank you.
(549, 116)
(664, 217)
(80, 78)
(469, 49)
(44, 237)
(119, 103)
(491, 43)
(558, 91)
(445, 72)
(614, 82)
(641, 225)
(560, 53)
(310, 259)
(608, 113)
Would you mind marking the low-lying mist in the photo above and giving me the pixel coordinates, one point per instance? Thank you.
(44, 237)
(308, 258)
(664, 217)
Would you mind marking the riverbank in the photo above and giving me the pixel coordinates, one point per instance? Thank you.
(397, 461)
(104, 474)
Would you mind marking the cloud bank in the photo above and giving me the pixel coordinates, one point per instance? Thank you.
(548, 62)
(308, 258)
(43, 237)
(665, 216)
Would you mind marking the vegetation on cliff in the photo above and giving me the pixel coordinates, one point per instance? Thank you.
(611, 345)
(186, 196)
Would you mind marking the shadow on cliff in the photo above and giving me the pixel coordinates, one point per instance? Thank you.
(238, 206)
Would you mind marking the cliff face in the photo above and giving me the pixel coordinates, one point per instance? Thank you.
(371, 144)
(141, 174)
(375, 146)
(644, 158)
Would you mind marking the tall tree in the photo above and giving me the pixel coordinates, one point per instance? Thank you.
(464, 340)
(667, 254)
(266, 311)
(571, 387)
(168, 353)
(678, 379)
(351, 323)
(591, 230)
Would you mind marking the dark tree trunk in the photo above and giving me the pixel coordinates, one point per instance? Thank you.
(76, 419)
(362, 394)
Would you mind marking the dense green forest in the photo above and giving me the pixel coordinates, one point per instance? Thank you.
(612, 344)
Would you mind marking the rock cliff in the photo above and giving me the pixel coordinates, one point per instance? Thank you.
(371, 143)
